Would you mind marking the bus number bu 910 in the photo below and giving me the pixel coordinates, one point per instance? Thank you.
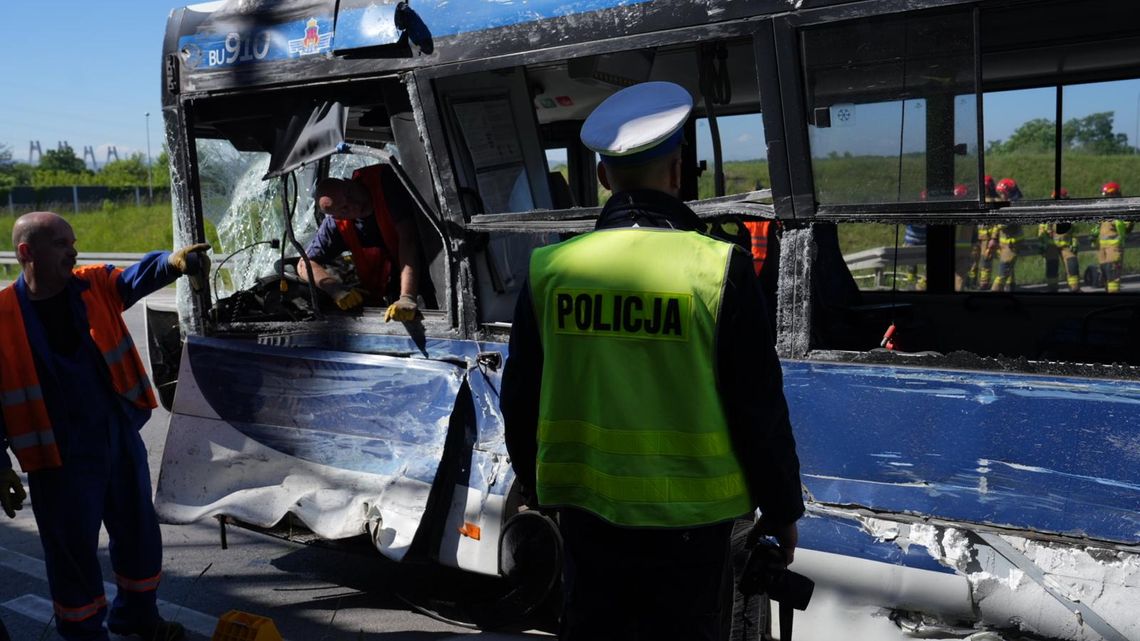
(241, 48)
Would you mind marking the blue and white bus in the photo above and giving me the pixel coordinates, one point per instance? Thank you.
(970, 444)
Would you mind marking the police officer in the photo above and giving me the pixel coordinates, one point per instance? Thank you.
(643, 397)
(1111, 237)
(73, 395)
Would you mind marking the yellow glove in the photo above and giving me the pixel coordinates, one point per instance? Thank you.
(12, 492)
(179, 259)
(349, 299)
(404, 310)
(197, 269)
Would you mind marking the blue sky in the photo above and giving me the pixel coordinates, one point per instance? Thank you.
(86, 72)
(82, 71)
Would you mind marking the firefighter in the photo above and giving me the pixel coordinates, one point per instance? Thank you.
(643, 396)
(965, 245)
(73, 395)
(1008, 238)
(1111, 239)
(987, 243)
(1059, 247)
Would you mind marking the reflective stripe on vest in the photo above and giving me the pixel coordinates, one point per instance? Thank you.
(631, 425)
(1112, 232)
(105, 321)
(374, 265)
(26, 421)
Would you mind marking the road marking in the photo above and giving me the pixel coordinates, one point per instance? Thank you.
(40, 609)
(34, 607)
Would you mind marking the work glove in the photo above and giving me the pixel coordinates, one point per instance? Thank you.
(347, 299)
(193, 262)
(404, 310)
(12, 492)
(191, 259)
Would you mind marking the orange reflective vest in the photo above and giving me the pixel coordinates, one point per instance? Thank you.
(759, 230)
(26, 419)
(374, 265)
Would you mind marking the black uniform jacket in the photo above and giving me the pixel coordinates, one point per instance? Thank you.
(748, 370)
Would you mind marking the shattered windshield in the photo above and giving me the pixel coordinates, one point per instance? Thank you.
(246, 210)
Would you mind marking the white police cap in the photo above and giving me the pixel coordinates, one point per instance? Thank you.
(638, 123)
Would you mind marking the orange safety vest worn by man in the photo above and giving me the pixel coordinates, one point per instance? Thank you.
(73, 395)
(371, 217)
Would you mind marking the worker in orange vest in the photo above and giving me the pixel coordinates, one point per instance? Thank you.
(765, 248)
(371, 217)
(73, 395)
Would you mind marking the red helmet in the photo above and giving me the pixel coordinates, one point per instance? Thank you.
(1064, 194)
(922, 195)
(989, 185)
(1006, 186)
(1110, 189)
(961, 190)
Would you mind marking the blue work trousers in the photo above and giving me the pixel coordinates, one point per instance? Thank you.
(70, 503)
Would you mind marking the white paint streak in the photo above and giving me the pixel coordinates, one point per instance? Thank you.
(1106, 581)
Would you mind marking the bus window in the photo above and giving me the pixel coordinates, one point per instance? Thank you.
(745, 154)
(1100, 131)
(558, 174)
(869, 250)
(891, 107)
(1097, 160)
(1020, 137)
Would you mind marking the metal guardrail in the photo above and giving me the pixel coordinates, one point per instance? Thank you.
(882, 259)
(120, 259)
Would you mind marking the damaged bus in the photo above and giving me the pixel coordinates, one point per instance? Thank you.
(962, 363)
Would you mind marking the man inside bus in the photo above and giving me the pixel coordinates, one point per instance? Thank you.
(73, 395)
(643, 396)
(371, 217)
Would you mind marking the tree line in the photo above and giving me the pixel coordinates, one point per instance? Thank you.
(63, 168)
(1092, 135)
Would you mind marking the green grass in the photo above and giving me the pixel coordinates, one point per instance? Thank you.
(112, 229)
(867, 179)
(115, 229)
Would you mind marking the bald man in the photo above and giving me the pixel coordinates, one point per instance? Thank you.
(73, 396)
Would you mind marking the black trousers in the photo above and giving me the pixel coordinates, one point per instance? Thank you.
(641, 583)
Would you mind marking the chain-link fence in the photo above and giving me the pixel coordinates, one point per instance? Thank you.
(76, 198)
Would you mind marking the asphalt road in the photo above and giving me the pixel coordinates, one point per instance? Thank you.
(311, 594)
